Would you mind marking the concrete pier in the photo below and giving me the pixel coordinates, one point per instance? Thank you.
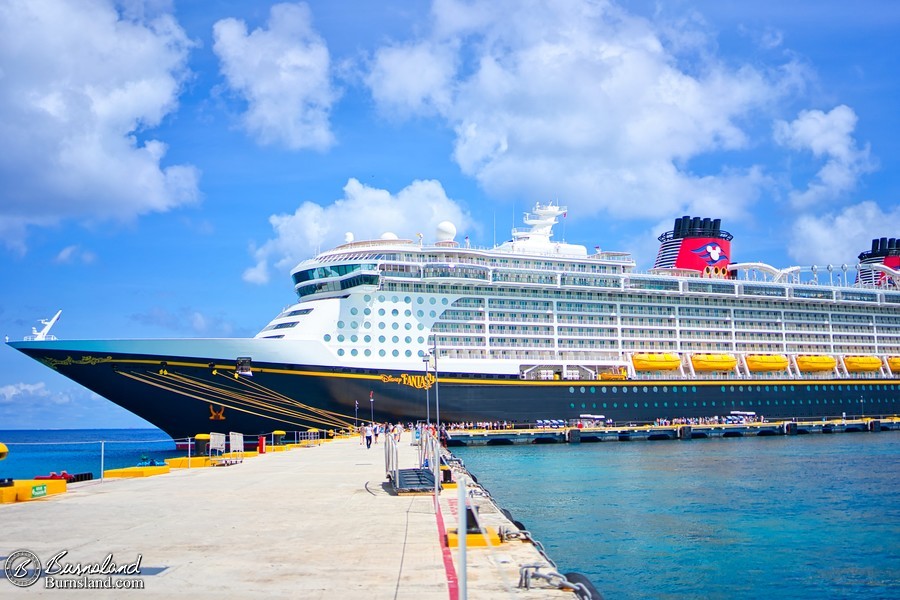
(309, 523)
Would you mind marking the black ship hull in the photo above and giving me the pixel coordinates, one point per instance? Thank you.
(186, 395)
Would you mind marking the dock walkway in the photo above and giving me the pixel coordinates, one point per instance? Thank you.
(311, 523)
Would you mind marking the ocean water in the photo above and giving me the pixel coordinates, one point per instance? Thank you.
(35, 452)
(807, 517)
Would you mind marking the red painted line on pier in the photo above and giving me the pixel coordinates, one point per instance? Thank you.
(452, 580)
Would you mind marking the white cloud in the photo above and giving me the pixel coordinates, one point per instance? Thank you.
(582, 101)
(365, 212)
(186, 320)
(283, 74)
(829, 136)
(78, 83)
(73, 254)
(838, 237)
(16, 392)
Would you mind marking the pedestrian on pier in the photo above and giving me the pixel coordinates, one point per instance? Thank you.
(369, 437)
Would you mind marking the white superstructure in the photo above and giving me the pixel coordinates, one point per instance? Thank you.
(546, 309)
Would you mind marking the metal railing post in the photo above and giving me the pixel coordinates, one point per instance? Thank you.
(102, 453)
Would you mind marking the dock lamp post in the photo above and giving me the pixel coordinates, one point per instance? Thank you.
(862, 402)
(427, 360)
(372, 405)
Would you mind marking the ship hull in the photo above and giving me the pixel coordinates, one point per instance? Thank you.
(186, 394)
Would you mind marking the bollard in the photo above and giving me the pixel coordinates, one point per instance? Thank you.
(201, 444)
(261, 444)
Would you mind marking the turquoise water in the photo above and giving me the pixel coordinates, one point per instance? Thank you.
(34, 452)
(802, 517)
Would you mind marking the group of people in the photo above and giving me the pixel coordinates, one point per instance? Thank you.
(369, 432)
(729, 420)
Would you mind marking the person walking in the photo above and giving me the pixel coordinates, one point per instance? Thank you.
(369, 436)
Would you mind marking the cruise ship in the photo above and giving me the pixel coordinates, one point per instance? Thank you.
(532, 329)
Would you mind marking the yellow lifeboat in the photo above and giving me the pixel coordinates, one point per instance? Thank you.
(894, 363)
(767, 362)
(816, 362)
(862, 364)
(713, 362)
(663, 361)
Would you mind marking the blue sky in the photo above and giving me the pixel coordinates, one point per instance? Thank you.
(166, 163)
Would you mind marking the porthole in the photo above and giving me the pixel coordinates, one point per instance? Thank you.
(593, 389)
(407, 326)
(353, 338)
(367, 298)
(615, 405)
(340, 324)
(571, 404)
(407, 299)
(582, 391)
(381, 352)
(367, 311)
(367, 352)
(420, 300)
(354, 310)
(381, 312)
(408, 340)
(367, 339)
(571, 390)
(327, 337)
(395, 313)
(340, 337)
(395, 299)
(381, 325)
(395, 325)
(381, 339)
(395, 339)
(408, 353)
(395, 352)
(433, 301)
(354, 352)
(340, 352)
